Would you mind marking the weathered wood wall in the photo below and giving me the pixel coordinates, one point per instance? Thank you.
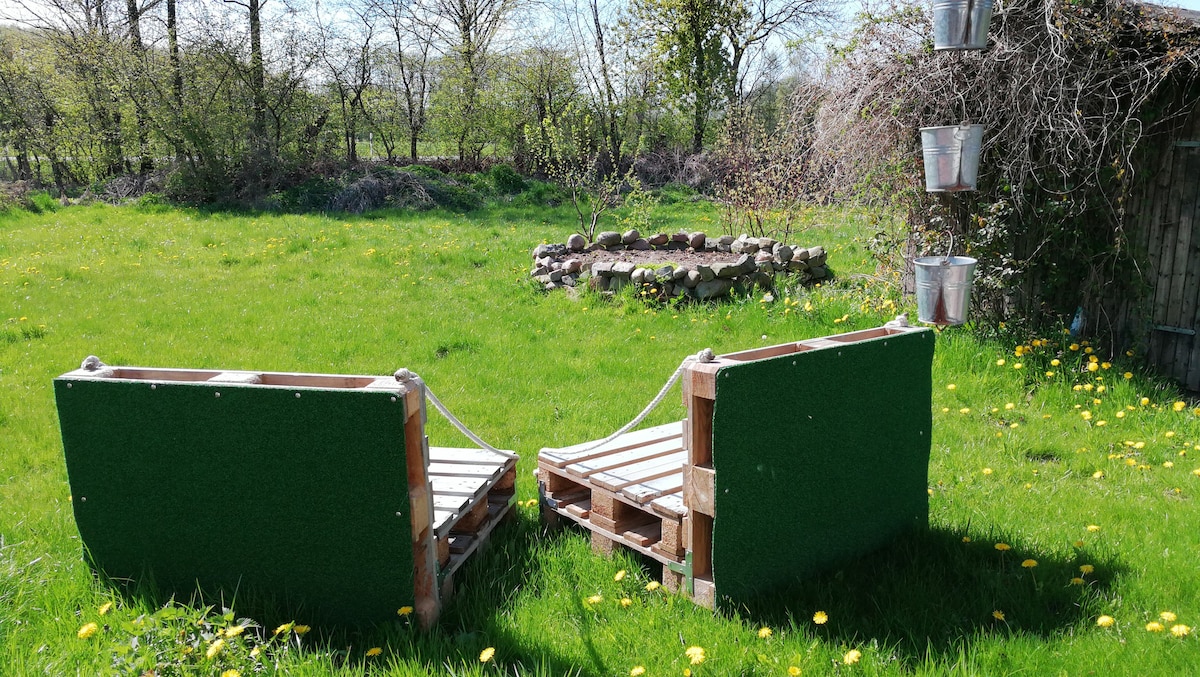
(1166, 220)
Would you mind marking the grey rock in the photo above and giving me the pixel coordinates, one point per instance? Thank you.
(722, 247)
(726, 239)
(543, 250)
(639, 244)
(599, 283)
(572, 266)
(706, 272)
(696, 240)
(814, 252)
(659, 239)
(712, 289)
(544, 279)
(556, 275)
(745, 264)
(778, 266)
(679, 273)
(783, 253)
(568, 280)
(630, 235)
(608, 237)
(664, 274)
(539, 270)
(762, 256)
(799, 253)
(556, 265)
(615, 247)
(691, 279)
(637, 276)
(763, 280)
(679, 237)
(676, 245)
(797, 266)
(726, 271)
(767, 243)
(551, 286)
(818, 272)
(765, 266)
(602, 268)
(576, 242)
(818, 260)
(623, 269)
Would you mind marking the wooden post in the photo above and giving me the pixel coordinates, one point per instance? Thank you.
(699, 396)
(416, 450)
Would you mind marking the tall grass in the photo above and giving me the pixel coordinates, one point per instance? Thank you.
(447, 296)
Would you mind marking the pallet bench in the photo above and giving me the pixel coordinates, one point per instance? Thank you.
(316, 490)
(792, 457)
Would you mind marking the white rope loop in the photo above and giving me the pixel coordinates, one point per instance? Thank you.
(704, 356)
(406, 376)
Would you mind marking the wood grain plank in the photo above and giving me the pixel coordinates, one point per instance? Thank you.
(560, 458)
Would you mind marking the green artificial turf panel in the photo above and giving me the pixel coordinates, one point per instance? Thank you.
(820, 456)
(298, 495)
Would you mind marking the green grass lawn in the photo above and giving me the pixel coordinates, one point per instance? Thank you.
(1096, 486)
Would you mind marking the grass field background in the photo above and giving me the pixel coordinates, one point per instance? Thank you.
(1091, 489)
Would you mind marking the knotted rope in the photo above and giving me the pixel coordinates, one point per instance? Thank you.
(405, 376)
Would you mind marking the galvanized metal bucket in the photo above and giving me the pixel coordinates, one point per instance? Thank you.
(951, 157)
(944, 289)
(961, 24)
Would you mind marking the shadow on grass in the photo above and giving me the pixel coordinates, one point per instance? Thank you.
(930, 592)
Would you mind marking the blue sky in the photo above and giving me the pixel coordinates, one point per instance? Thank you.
(1186, 4)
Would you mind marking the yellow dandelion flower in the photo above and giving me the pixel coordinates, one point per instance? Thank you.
(402, 611)
(1128, 375)
(1168, 464)
(594, 599)
(1077, 581)
(1018, 365)
(1009, 406)
(987, 471)
(619, 576)
(1093, 528)
(695, 654)
(1029, 563)
(1086, 415)
(1092, 366)
(637, 670)
(764, 632)
(820, 618)
(687, 672)
(301, 629)
(964, 410)
(87, 630)
(1086, 569)
(234, 630)
(1106, 365)
(1073, 347)
(1144, 401)
(998, 615)
(1154, 626)
(1105, 621)
(794, 671)
(255, 652)
(214, 648)
(1078, 544)
(1169, 434)
(1098, 475)
(1000, 362)
(1120, 414)
(1020, 350)
(966, 539)
(231, 673)
(945, 409)
(1055, 362)
(105, 608)
(852, 656)
(374, 651)
(1168, 616)
(1089, 351)
(487, 654)
(951, 386)
(1101, 424)
(626, 602)
(1181, 630)
(1178, 406)
(284, 628)
(1002, 547)
(652, 586)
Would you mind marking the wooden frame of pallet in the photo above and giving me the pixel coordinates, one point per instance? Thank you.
(456, 496)
(653, 490)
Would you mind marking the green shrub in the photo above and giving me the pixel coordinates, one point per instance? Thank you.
(506, 180)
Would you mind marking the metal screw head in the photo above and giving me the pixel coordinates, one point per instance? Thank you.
(217, 394)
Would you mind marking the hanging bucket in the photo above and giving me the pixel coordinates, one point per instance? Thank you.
(944, 289)
(951, 157)
(961, 24)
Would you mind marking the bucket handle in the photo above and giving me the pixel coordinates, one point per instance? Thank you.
(950, 251)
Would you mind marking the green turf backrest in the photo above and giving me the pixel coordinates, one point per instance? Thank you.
(296, 494)
(819, 456)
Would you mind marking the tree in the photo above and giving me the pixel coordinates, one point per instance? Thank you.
(407, 73)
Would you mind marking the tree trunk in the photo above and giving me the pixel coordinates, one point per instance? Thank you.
(141, 123)
(258, 131)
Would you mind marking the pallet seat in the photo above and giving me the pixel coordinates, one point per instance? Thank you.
(792, 458)
(318, 491)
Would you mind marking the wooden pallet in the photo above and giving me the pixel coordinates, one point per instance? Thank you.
(628, 491)
(473, 489)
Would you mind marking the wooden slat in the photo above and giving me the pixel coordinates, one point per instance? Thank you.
(574, 454)
(455, 504)
(670, 505)
(619, 478)
(458, 486)
(468, 456)
(465, 470)
(612, 462)
(645, 492)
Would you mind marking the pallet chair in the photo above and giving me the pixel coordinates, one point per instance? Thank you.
(318, 491)
(792, 458)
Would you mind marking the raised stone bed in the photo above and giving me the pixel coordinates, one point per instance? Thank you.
(694, 265)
